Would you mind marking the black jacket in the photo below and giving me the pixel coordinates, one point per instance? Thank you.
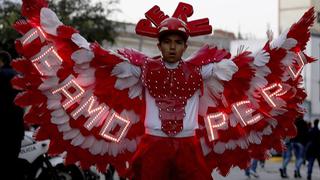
(313, 147)
(11, 116)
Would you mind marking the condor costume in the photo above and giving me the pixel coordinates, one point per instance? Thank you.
(96, 104)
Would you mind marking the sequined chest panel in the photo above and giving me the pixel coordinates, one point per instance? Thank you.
(171, 88)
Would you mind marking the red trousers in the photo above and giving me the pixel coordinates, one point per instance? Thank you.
(161, 158)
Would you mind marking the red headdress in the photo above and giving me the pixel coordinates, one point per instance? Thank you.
(157, 22)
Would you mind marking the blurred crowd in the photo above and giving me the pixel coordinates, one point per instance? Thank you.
(304, 148)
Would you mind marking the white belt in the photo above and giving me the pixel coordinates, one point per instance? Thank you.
(158, 132)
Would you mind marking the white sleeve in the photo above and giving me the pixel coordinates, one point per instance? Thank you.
(222, 70)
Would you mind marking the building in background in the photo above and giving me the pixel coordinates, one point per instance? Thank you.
(289, 12)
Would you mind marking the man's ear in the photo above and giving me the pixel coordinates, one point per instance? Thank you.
(185, 47)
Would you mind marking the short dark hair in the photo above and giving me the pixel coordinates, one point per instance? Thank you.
(166, 33)
(5, 57)
(316, 122)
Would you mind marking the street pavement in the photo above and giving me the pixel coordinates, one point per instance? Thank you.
(270, 172)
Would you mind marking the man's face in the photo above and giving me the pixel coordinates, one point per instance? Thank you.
(172, 47)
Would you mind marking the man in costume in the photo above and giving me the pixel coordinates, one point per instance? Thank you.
(160, 117)
(172, 98)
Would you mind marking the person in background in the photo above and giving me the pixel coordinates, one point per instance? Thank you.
(297, 145)
(252, 169)
(286, 157)
(313, 147)
(11, 118)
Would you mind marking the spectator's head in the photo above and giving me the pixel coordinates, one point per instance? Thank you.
(5, 58)
(316, 122)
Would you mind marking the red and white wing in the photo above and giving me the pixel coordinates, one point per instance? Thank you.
(245, 116)
(82, 97)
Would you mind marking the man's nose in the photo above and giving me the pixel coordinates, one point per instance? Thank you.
(172, 45)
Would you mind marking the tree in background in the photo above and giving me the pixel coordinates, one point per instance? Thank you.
(84, 15)
(9, 13)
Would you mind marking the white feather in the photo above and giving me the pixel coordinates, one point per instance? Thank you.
(96, 147)
(233, 120)
(257, 83)
(123, 83)
(242, 143)
(58, 113)
(113, 149)
(206, 101)
(53, 104)
(88, 142)
(254, 138)
(105, 147)
(60, 120)
(131, 115)
(254, 101)
(224, 69)
(206, 71)
(289, 43)
(261, 58)
(263, 71)
(86, 77)
(49, 83)
(80, 41)
(277, 111)
(87, 72)
(135, 91)
(78, 140)
(205, 148)
(132, 145)
(215, 86)
(219, 147)
(64, 127)
(285, 76)
(71, 134)
(51, 96)
(79, 67)
(272, 122)
(277, 43)
(231, 145)
(122, 70)
(122, 145)
(82, 56)
(288, 59)
(267, 130)
(49, 21)
(85, 81)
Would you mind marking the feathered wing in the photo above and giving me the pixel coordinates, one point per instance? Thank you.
(84, 98)
(245, 116)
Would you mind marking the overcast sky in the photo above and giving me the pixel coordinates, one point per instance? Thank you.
(251, 17)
